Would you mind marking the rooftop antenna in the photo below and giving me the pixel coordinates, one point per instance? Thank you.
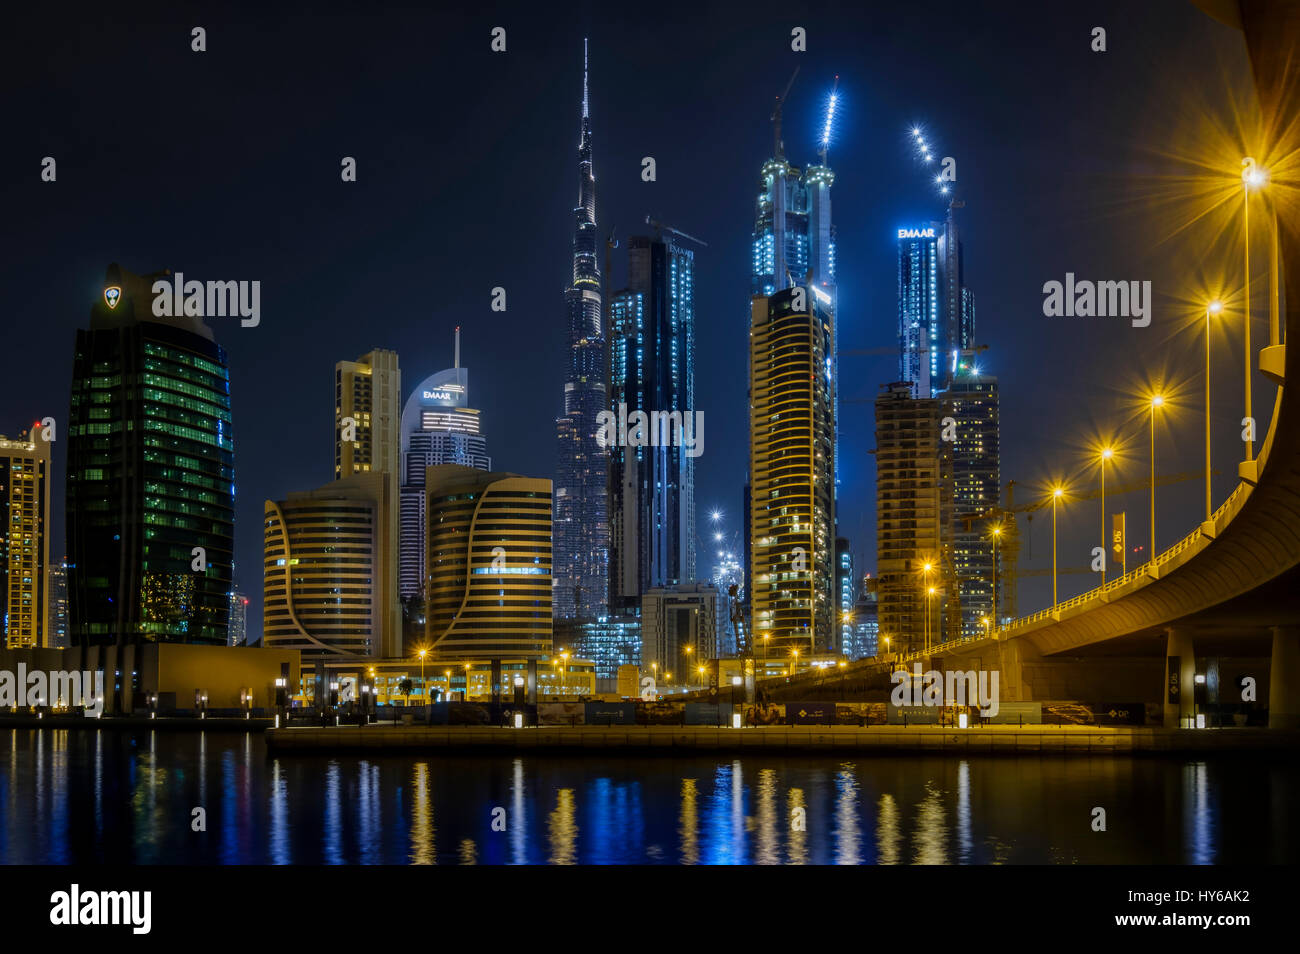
(776, 117)
(584, 77)
(457, 364)
(830, 118)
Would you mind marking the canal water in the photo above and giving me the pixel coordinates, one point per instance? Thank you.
(119, 796)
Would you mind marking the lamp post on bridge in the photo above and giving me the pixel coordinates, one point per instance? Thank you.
(1157, 401)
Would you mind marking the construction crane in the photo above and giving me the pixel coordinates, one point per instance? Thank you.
(778, 145)
(660, 228)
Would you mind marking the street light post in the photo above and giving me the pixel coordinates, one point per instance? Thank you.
(1251, 175)
(1106, 454)
(1056, 495)
(997, 535)
(1213, 308)
(1156, 402)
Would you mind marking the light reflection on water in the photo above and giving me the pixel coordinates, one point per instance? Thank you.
(104, 795)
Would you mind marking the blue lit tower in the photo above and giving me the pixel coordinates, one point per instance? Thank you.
(921, 329)
(652, 489)
(581, 532)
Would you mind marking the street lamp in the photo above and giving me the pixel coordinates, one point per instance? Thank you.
(1056, 496)
(1106, 454)
(997, 536)
(1213, 308)
(928, 599)
(424, 691)
(1252, 177)
(1157, 401)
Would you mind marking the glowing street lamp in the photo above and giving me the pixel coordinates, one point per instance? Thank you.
(997, 536)
(1106, 454)
(1057, 493)
(928, 599)
(1252, 177)
(1157, 401)
(423, 691)
(1213, 308)
(925, 571)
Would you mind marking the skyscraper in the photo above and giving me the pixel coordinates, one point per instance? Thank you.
(680, 627)
(972, 402)
(652, 488)
(438, 427)
(912, 514)
(150, 475)
(368, 441)
(581, 499)
(489, 564)
(326, 552)
(238, 619)
(936, 311)
(791, 456)
(367, 402)
(25, 572)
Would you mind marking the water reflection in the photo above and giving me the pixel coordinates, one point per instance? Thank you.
(103, 795)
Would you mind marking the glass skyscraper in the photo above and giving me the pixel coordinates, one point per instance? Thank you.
(581, 498)
(150, 475)
(438, 427)
(972, 401)
(936, 311)
(652, 357)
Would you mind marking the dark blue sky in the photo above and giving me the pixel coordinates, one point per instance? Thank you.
(225, 165)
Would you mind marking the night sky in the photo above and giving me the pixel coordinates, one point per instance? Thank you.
(225, 165)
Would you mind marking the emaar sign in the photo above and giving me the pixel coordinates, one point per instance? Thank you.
(916, 233)
(443, 397)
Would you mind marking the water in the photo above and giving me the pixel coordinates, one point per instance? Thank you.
(127, 797)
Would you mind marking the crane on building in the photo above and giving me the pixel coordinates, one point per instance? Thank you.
(660, 228)
(779, 145)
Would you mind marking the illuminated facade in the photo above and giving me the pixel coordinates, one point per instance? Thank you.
(438, 427)
(609, 642)
(846, 594)
(488, 564)
(680, 626)
(25, 572)
(936, 311)
(581, 496)
(652, 489)
(150, 475)
(972, 402)
(791, 439)
(238, 619)
(325, 555)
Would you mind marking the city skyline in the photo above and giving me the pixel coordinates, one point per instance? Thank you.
(280, 429)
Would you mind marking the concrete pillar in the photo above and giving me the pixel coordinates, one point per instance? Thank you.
(1180, 680)
(1284, 679)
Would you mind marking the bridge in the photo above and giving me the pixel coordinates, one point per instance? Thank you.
(1229, 590)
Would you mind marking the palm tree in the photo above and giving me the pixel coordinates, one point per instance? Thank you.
(405, 687)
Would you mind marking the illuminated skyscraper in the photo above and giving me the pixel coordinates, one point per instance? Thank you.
(150, 475)
(489, 564)
(846, 592)
(581, 498)
(791, 440)
(652, 488)
(936, 311)
(25, 574)
(238, 619)
(972, 402)
(326, 555)
(438, 427)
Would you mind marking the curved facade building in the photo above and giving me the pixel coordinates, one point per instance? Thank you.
(323, 570)
(488, 560)
(437, 428)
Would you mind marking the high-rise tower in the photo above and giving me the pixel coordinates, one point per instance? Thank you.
(581, 498)
(438, 427)
(791, 456)
(652, 488)
(26, 577)
(150, 477)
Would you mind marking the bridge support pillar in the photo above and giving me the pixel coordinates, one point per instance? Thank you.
(1284, 679)
(1179, 693)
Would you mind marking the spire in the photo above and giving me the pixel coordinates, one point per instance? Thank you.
(584, 78)
(457, 364)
